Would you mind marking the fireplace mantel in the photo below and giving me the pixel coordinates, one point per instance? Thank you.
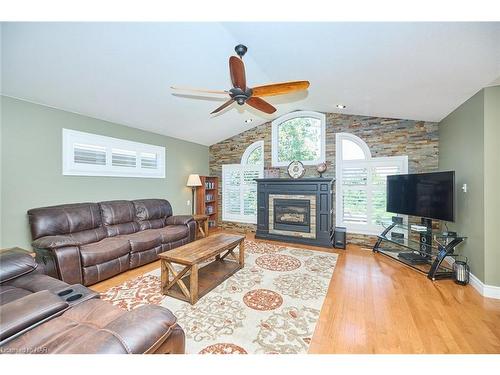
(317, 191)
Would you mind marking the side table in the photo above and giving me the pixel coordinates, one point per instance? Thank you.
(202, 224)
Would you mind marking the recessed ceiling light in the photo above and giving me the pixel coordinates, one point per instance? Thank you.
(248, 120)
(340, 106)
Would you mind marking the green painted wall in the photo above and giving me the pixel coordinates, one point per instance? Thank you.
(492, 184)
(461, 138)
(31, 166)
(470, 144)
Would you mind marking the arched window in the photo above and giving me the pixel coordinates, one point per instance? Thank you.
(298, 136)
(361, 184)
(239, 188)
(254, 154)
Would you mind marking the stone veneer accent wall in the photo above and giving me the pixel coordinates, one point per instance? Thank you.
(385, 137)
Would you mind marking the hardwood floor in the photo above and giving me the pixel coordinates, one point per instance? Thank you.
(375, 305)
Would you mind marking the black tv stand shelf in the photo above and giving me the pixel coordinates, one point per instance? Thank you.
(406, 244)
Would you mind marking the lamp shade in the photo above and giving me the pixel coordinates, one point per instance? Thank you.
(193, 180)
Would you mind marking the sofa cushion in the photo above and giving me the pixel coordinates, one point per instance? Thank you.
(143, 240)
(172, 233)
(102, 271)
(10, 293)
(104, 250)
(179, 220)
(70, 239)
(15, 263)
(151, 213)
(143, 257)
(63, 219)
(118, 217)
(24, 312)
(35, 282)
(99, 327)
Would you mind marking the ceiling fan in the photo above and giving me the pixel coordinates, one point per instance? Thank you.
(242, 94)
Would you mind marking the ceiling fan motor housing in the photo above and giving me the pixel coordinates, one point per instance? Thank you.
(240, 96)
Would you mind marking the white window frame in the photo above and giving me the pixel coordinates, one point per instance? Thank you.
(369, 162)
(241, 217)
(70, 168)
(275, 126)
(250, 149)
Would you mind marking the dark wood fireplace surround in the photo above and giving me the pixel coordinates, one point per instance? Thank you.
(275, 223)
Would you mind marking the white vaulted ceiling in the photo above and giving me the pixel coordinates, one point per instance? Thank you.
(122, 72)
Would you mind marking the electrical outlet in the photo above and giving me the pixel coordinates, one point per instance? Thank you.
(189, 202)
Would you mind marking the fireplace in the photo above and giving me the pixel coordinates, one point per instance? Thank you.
(292, 214)
(297, 211)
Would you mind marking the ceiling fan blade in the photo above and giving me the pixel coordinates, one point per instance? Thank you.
(226, 104)
(237, 71)
(280, 88)
(260, 104)
(200, 90)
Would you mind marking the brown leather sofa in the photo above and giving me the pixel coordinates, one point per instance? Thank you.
(85, 243)
(40, 314)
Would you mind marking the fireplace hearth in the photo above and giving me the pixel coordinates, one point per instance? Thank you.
(295, 210)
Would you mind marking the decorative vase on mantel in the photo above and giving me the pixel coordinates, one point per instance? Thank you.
(321, 168)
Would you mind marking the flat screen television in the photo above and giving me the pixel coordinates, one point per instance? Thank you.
(428, 195)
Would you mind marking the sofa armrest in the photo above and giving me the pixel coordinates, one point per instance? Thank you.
(62, 263)
(15, 263)
(54, 242)
(28, 311)
(179, 220)
(157, 325)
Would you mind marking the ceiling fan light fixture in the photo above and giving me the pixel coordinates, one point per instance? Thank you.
(341, 106)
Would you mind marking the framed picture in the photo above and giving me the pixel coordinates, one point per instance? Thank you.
(272, 173)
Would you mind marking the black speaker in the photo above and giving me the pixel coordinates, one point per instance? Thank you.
(426, 237)
(339, 238)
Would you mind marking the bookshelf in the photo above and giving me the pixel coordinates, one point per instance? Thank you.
(207, 199)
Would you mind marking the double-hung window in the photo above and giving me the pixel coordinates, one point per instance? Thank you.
(361, 185)
(239, 188)
(86, 154)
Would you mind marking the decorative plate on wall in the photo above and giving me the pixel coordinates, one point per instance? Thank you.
(296, 169)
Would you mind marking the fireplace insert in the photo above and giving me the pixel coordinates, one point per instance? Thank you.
(292, 215)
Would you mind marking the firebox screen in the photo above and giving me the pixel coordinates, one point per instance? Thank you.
(292, 212)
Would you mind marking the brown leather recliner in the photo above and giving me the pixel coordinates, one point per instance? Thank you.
(40, 314)
(85, 243)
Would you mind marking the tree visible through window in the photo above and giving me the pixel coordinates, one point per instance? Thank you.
(299, 136)
(256, 156)
(299, 139)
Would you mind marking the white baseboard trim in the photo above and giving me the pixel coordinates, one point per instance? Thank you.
(489, 291)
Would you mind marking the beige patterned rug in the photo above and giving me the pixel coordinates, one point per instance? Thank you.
(270, 306)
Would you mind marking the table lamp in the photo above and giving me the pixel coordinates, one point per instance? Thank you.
(193, 182)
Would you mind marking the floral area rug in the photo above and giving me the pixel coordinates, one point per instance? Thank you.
(270, 306)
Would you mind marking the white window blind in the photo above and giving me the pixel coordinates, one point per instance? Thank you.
(86, 154)
(361, 185)
(239, 192)
(89, 154)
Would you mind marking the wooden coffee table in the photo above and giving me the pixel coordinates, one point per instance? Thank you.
(200, 280)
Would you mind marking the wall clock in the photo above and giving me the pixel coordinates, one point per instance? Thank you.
(296, 169)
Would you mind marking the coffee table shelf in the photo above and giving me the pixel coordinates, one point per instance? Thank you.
(209, 277)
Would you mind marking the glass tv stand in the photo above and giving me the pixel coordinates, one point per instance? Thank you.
(404, 243)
